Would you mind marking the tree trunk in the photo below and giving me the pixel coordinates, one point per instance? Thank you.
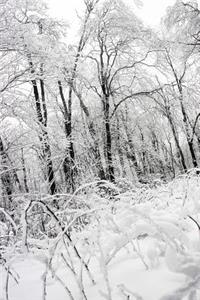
(69, 167)
(41, 112)
(93, 134)
(108, 140)
(119, 148)
(143, 154)
(187, 129)
(189, 137)
(6, 179)
(176, 140)
(130, 149)
(24, 172)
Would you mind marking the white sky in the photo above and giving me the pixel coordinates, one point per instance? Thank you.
(151, 12)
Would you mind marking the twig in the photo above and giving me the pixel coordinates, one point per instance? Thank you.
(195, 222)
(7, 283)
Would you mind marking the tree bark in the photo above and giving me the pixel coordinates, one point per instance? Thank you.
(69, 167)
(108, 140)
(176, 141)
(93, 134)
(26, 188)
(41, 112)
(189, 137)
(6, 178)
(187, 129)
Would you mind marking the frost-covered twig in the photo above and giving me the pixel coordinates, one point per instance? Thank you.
(7, 284)
(188, 289)
(25, 225)
(44, 279)
(81, 259)
(79, 215)
(6, 214)
(138, 251)
(128, 293)
(7, 269)
(69, 293)
(52, 214)
(115, 251)
(88, 185)
(195, 222)
(79, 282)
(103, 266)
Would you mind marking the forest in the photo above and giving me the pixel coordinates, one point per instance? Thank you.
(99, 153)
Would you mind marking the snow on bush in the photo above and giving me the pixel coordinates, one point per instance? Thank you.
(104, 230)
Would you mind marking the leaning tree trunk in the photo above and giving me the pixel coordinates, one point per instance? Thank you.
(183, 111)
(168, 115)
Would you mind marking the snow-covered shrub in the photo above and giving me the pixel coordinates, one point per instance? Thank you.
(152, 228)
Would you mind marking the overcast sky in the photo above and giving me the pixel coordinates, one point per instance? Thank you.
(151, 12)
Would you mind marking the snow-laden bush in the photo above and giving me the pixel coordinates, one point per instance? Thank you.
(92, 232)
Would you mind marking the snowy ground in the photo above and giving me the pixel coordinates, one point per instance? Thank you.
(145, 245)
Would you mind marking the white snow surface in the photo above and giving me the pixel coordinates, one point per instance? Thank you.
(142, 245)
